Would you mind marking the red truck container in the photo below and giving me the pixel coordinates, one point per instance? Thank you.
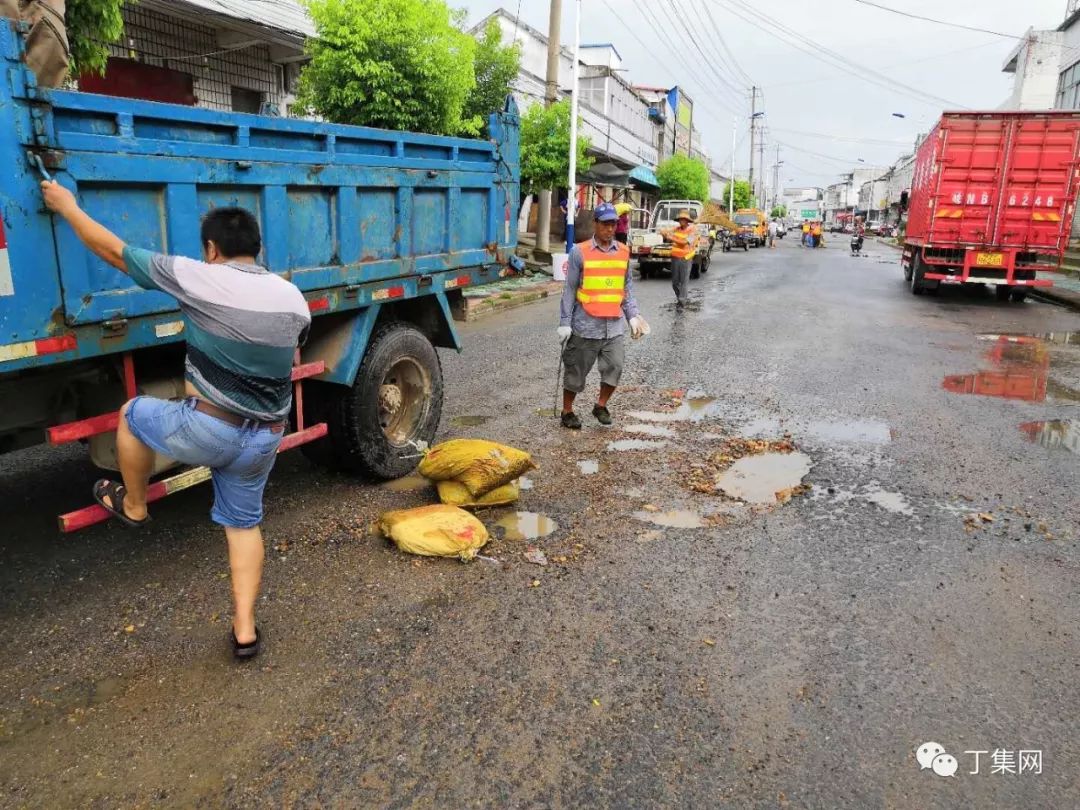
(992, 200)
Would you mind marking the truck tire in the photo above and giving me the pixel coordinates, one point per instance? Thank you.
(1002, 292)
(1019, 296)
(396, 399)
(695, 269)
(916, 277)
(907, 269)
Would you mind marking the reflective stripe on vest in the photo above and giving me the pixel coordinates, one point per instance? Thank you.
(603, 280)
(684, 243)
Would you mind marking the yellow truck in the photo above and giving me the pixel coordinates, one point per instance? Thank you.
(753, 224)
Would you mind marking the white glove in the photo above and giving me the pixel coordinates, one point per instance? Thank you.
(563, 332)
(639, 327)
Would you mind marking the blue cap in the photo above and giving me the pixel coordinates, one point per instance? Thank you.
(605, 212)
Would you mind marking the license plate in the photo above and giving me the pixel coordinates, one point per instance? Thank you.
(989, 259)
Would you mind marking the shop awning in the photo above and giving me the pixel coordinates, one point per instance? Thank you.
(605, 174)
(644, 176)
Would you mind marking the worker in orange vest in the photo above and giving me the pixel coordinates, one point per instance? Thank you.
(684, 241)
(815, 234)
(596, 303)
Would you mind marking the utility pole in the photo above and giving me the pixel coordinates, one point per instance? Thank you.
(761, 164)
(551, 95)
(776, 179)
(731, 185)
(571, 196)
(753, 128)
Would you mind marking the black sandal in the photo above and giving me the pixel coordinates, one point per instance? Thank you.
(115, 492)
(242, 652)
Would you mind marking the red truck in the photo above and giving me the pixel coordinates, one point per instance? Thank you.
(992, 200)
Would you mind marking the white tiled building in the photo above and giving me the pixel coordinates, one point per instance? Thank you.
(220, 54)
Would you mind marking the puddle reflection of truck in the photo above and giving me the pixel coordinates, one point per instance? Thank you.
(653, 251)
(992, 200)
(380, 230)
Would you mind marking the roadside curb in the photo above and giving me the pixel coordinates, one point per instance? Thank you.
(1067, 298)
(492, 298)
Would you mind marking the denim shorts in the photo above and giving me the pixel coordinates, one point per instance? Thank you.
(239, 457)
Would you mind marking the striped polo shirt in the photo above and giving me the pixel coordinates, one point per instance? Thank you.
(242, 323)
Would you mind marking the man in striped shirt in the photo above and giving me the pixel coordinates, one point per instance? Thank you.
(243, 325)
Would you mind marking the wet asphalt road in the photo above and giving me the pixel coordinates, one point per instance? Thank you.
(792, 656)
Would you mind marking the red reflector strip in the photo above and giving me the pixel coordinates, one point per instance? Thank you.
(3, 236)
(319, 304)
(454, 283)
(305, 370)
(397, 292)
(35, 348)
(389, 292)
(83, 429)
(64, 343)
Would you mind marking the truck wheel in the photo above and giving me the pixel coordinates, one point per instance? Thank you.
(917, 272)
(705, 262)
(907, 269)
(1019, 296)
(695, 270)
(396, 399)
(1002, 291)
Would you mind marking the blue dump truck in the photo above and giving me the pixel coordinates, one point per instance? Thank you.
(380, 230)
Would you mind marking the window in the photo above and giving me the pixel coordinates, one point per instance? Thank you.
(246, 101)
(1069, 88)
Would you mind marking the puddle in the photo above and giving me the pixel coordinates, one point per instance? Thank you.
(675, 519)
(526, 526)
(589, 466)
(894, 502)
(410, 483)
(692, 409)
(1019, 368)
(854, 431)
(636, 444)
(1063, 434)
(470, 421)
(525, 483)
(757, 479)
(651, 430)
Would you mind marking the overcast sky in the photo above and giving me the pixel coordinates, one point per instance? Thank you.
(804, 94)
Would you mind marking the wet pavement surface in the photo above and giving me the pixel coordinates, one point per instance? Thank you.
(632, 636)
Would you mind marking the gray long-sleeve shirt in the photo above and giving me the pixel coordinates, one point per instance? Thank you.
(573, 315)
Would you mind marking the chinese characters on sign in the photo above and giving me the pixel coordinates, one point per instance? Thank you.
(1003, 761)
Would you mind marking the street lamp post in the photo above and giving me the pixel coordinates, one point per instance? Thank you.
(571, 196)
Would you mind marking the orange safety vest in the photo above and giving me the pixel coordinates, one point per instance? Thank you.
(684, 242)
(817, 230)
(603, 279)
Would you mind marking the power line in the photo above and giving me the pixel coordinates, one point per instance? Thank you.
(846, 139)
(757, 19)
(938, 22)
(731, 61)
(706, 63)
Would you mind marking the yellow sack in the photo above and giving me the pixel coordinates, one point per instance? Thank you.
(478, 464)
(457, 494)
(435, 531)
(623, 208)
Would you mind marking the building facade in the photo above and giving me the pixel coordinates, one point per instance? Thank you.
(218, 54)
(1035, 64)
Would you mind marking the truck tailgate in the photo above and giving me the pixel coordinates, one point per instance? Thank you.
(1003, 179)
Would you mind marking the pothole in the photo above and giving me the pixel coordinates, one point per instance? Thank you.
(762, 479)
(526, 526)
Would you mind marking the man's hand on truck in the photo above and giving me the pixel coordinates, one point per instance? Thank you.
(103, 242)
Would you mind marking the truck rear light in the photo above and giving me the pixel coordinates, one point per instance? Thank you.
(643, 250)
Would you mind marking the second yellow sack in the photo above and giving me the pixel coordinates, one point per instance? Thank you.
(478, 464)
(435, 531)
(457, 494)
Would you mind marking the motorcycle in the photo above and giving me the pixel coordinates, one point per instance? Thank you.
(723, 236)
(856, 244)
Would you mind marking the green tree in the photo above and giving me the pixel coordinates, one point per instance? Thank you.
(779, 211)
(91, 26)
(683, 178)
(495, 67)
(742, 194)
(545, 147)
(396, 64)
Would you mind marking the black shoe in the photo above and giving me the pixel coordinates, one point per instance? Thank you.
(602, 414)
(242, 652)
(570, 420)
(679, 306)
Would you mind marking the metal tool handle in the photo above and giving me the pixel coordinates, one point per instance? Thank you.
(37, 163)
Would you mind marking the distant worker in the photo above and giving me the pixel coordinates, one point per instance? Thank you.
(773, 230)
(622, 228)
(597, 298)
(806, 233)
(683, 247)
(815, 235)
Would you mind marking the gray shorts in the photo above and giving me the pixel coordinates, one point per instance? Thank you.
(581, 354)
